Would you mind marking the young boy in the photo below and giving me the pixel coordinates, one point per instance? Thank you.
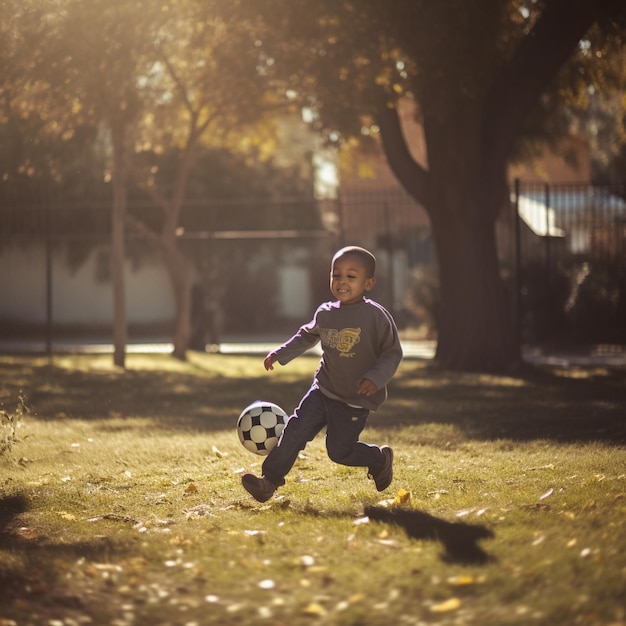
(360, 354)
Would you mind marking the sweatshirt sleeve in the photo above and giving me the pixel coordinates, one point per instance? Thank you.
(306, 338)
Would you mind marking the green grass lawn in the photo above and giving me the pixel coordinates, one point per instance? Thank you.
(121, 501)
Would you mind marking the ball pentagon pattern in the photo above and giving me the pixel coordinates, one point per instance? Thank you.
(260, 425)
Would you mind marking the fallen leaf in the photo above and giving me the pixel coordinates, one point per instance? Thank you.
(217, 452)
(547, 494)
(268, 583)
(307, 561)
(388, 542)
(191, 488)
(462, 581)
(402, 497)
(437, 494)
(108, 567)
(386, 503)
(448, 605)
(199, 511)
(314, 609)
(356, 598)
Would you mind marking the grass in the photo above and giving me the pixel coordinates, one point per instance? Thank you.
(121, 502)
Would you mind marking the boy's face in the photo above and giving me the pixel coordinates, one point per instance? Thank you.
(349, 280)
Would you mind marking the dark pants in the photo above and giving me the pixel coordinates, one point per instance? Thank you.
(343, 426)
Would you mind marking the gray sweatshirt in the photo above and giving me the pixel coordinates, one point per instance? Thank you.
(358, 341)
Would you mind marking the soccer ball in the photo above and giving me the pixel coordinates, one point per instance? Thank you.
(259, 426)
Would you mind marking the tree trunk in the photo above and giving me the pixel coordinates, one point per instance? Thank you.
(471, 120)
(179, 277)
(118, 250)
(475, 324)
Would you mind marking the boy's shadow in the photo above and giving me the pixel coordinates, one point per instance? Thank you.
(460, 540)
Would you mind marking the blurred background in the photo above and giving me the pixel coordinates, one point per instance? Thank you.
(183, 171)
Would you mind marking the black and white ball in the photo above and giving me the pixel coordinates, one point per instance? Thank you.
(259, 426)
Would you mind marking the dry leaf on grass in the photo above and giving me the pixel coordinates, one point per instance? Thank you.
(402, 497)
(447, 605)
(547, 494)
(315, 609)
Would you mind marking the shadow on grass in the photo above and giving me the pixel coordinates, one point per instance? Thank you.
(27, 573)
(582, 404)
(205, 401)
(552, 403)
(459, 540)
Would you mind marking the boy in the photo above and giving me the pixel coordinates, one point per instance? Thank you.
(360, 354)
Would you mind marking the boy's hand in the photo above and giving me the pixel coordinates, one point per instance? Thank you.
(268, 363)
(366, 387)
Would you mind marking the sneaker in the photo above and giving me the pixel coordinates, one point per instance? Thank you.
(383, 478)
(260, 489)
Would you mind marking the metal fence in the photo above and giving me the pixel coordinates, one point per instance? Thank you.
(569, 263)
(258, 264)
(243, 256)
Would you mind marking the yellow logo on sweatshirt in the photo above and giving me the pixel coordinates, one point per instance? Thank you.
(348, 338)
(343, 340)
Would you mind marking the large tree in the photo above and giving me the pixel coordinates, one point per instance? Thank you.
(79, 64)
(480, 73)
(206, 88)
(152, 77)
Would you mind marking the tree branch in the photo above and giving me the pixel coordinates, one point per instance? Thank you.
(535, 63)
(411, 175)
(179, 84)
(140, 228)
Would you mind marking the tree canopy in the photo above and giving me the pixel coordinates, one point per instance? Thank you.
(489, 79)
(147, 78)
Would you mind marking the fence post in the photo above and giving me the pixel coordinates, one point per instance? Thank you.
(548, 233)
(517, 288)
(49, 314)
(390, 258)
(340, 222)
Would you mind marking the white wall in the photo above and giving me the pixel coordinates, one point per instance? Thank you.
(78, 297)
(295, 292)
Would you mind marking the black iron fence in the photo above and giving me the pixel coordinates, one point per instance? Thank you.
(251, 265)
(257, 265)
(569, 263)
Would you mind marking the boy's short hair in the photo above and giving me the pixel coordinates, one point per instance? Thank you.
(365, 256)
